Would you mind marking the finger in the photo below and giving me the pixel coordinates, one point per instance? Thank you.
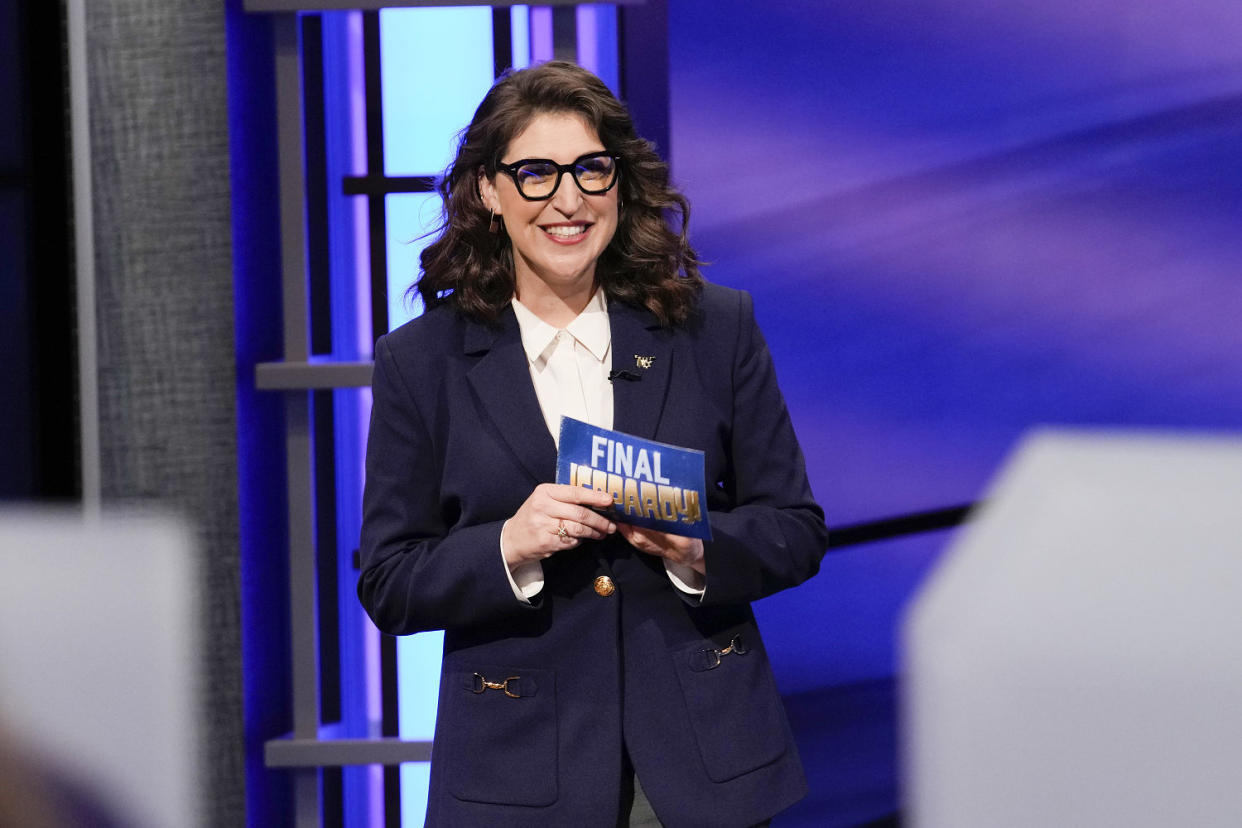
(578, 494)
(662, 540)
(572, 513)
(564, 533)
(636, 532)
(636, 537)
(586, 532)
(594, 520)
(583, 531)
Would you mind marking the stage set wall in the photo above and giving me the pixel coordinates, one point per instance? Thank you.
(958, 220)
(165, 355)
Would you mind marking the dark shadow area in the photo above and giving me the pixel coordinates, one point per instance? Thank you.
(847, 737)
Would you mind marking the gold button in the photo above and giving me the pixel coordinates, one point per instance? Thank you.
(604, 586)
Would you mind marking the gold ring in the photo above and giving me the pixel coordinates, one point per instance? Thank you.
(561, 532)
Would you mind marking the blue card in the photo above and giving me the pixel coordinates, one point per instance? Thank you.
(652, 484)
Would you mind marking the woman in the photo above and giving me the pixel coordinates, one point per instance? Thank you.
(580, 652)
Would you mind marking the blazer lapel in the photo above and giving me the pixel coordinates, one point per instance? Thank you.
(501, 380)
(642, 348)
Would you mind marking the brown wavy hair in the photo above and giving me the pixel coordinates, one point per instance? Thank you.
(649, 262)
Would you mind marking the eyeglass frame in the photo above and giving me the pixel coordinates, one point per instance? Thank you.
(511, 171)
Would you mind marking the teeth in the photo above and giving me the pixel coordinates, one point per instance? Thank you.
(566, 232)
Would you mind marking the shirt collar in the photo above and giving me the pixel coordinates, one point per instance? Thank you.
(589, 327)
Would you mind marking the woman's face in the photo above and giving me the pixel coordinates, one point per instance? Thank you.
(556, 242)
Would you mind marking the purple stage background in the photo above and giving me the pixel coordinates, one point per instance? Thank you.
(959, 219)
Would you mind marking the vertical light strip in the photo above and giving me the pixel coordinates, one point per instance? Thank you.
(357, 101)
(519, 25)
(541, 46)
(588, 42)
(597, 42)
(355, 73)
(437, 63)
(410, 217)
(84, 255)
(345, 155)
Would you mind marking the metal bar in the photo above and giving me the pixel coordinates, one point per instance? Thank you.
(372, 5)
(377, 211)
(299, 465)
(893, 527)
(305, 376)
(502, 41)
(306, 798)
(307, 753)
(381, 185)
(303, 614)
(292, 186)
(84, 254)
(303, 583)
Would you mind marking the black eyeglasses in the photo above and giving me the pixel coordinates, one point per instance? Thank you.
(538, 178)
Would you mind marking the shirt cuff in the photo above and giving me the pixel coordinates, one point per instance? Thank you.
(526, 579)
(685, 578)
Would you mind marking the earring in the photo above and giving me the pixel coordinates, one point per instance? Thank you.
(493, 226)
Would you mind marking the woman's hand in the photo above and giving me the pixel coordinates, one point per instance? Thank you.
(678, 549)
(553, 518)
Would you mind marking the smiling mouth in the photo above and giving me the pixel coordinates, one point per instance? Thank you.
(565, 232)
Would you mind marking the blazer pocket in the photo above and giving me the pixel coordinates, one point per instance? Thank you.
(734, 708)
(499, 736)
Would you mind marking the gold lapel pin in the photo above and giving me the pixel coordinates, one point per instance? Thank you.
(643, 362)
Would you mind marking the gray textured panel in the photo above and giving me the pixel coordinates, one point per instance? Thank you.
(315, 753)
(159, 130)
(291, 376)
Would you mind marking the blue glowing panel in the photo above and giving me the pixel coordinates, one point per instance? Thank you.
(437, 65)
(541, 45)
(959, 219)
(349, 268)
(411, 217)
(597, 42)
(418, 676)
(846, 618)
(832, 642)
(417, 705)
(519, 23)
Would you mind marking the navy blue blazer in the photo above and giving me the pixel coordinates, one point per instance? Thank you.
(457, 443)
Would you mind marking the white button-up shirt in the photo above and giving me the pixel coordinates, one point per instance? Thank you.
(569, 369)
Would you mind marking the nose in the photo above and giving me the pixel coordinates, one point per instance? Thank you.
(567, 198)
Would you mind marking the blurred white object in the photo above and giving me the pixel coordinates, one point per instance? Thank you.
(98, 655)
(1076, 658)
